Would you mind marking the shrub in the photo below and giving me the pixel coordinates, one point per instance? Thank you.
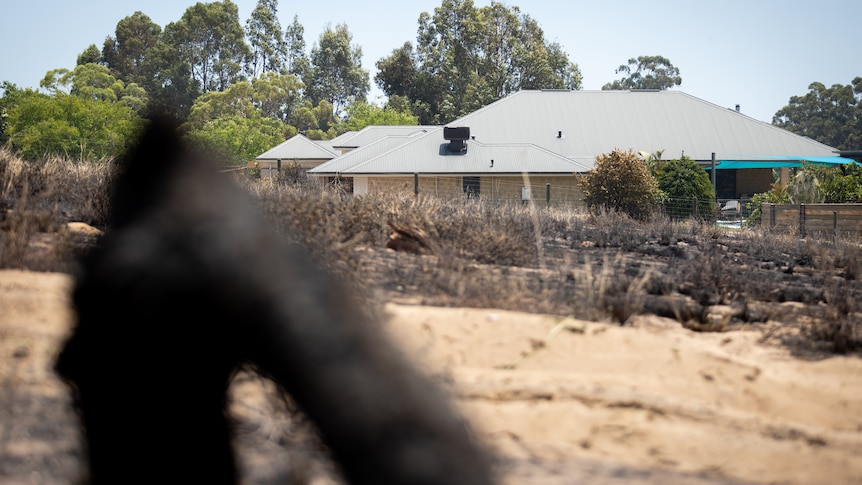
(778, 195)
(621, 182)
(683, 180)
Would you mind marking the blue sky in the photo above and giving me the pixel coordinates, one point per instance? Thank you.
(755, 53)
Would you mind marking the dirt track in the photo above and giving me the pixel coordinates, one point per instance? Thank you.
(559, 401)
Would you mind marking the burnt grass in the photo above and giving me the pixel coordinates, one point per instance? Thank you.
(473, 253)
(798, 293)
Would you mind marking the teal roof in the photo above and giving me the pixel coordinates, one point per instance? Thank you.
(778, 162)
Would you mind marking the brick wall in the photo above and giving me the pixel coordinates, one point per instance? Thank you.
(564, 189)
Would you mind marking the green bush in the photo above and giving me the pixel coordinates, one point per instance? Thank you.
(681, 182)
(621, 182)
(778, 195)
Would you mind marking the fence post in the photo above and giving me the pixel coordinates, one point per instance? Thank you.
(835, 227)
(694, 208)
(416, 184)
(548, 194)
(801, 221)
(771, 216)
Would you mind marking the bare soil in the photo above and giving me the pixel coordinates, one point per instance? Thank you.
(558, 400)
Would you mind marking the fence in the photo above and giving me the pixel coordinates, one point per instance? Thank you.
(819, 219)
(732, 210)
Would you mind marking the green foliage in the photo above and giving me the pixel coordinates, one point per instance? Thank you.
(278, 96)
(295, 60)
(829, 184)
(804, 188)
(652, 160)
(238, 139)
(621, 182)
(265, 38)
(778, 195)
(467, 57)
(317, 122)
(132, 54)
(91, 55)
(832, 116)
(646, 72)
(233, 125)
(361, 114)
(684, 180)
(336, 75)
(94, 81)
(843, 185)
(69, 126)
(209, 40)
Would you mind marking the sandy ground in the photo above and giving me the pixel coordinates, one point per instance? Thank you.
(558, 400)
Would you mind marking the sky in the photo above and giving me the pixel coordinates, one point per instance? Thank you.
(754, 53)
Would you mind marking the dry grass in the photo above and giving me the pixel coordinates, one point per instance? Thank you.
(37, 199)
(559, 260)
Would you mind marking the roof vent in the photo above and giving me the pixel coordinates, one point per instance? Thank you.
(737, 108)
(457, 137)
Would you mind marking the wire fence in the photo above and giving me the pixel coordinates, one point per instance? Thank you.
(729, 211)
(542, 191)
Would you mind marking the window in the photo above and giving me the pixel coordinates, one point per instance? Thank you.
(470, 187)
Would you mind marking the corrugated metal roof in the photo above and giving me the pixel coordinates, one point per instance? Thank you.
(596, 122)
(427, 154)
(370, 134)
(561, 131)
(299, 148)
(372, 150)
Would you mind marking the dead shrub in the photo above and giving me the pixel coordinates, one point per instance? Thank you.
(38, 198)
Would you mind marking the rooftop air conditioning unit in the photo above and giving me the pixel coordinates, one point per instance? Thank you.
(457, 137)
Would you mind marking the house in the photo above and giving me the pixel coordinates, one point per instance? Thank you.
(297, 150)
(536, 144)
(308, 154)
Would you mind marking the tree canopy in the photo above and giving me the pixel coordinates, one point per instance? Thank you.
(336, 73)
(832, 116)
(76, 127)
(258, 82)
(265, 38)
(646, 72)
(211, 41)
(467, 57)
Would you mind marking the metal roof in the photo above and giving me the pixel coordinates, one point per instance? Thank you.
(370, 151)
(427, 154)
(559, 131)
(588, 123)
(298, 148)
(370, 134)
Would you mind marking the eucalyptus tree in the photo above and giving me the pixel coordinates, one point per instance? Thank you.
(83, 114)
(361, 114)
(265, 38)
(466, 57)
(232, 124)
(278, 96)
(91, 55)
(131, 53)
(832, 116)
(95, 82)
(517, 56)
(336, 74)
(295, 58)
(646, 72)
(210, 40)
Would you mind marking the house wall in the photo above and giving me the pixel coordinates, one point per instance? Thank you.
(268, 168)
(564, 189)
(438, 186)
(753, 181)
